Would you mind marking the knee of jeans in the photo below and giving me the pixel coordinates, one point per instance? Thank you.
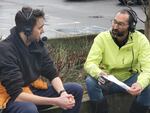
(28, 108)
(78, 88)
(74, 88)
(143, 97)
(93, 88)
(91, 83)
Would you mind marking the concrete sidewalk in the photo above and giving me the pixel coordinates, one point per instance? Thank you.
(66, 19)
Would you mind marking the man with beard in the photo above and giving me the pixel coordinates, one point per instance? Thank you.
(124, 53)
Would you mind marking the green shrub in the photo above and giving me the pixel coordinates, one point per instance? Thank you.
(69, 55)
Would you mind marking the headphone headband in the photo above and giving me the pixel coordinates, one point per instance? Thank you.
(28, 16)
(133, 14)
(27, 29)
(132, 22)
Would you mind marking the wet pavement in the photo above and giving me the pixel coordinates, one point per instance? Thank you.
(67, 18)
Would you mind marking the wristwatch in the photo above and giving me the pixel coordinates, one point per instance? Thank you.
(62, 91)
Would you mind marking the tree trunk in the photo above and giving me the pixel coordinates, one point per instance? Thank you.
(147, 22)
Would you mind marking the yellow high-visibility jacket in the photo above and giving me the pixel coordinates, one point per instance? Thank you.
(106, 55)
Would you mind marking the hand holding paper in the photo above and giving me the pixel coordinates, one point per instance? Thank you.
(116, 81)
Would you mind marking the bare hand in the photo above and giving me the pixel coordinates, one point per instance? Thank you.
(66, 101)
(103, 73)
(101, 79)
(136, 89)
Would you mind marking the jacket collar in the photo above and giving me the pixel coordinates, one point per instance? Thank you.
(34, 47)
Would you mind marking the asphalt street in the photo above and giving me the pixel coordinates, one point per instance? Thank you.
(67, 18)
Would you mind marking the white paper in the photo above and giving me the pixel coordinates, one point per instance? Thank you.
(116, 81)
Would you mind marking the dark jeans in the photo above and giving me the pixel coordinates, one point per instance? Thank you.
(28, 107)
(96, 93)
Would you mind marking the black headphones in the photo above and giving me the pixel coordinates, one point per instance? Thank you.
(27, 29)
(132, 19)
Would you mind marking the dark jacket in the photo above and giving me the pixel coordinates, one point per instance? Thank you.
(21, 65)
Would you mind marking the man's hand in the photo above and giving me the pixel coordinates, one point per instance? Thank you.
(69, 96)
(66, 101)
(103, 73)
(135, 89)
(101, 79)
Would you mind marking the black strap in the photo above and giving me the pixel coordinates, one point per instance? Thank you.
(62, 91)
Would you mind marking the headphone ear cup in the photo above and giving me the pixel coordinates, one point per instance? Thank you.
(27, 28)
(132, 24)
(27, 31)
(132, 27)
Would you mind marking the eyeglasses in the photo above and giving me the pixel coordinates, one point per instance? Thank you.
(120, 24)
